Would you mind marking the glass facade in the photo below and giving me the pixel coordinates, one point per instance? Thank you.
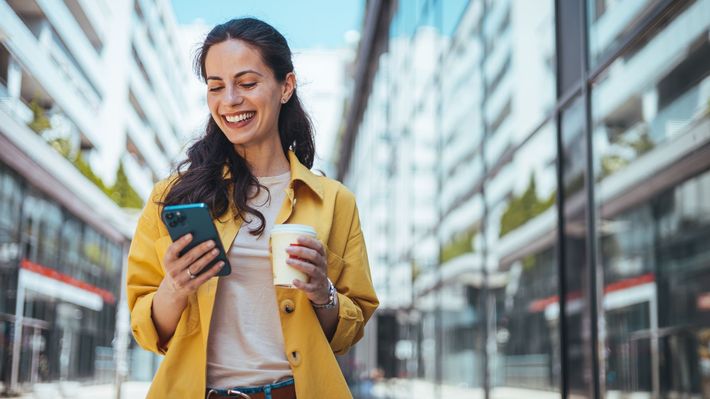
(568, 144)
(650, 128)
(68, 277)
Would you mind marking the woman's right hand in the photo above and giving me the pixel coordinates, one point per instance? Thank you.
(181, 277)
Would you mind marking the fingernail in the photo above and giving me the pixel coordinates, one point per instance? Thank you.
(221, 264)
(211, 244)
(215, 251)
(187, 237)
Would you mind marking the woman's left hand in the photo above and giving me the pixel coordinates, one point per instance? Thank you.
(309, 257)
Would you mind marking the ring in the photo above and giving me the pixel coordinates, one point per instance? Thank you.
(192, 276)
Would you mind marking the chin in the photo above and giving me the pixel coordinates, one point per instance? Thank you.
(242, 139)
(238, 139)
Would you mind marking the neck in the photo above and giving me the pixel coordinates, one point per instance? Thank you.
(265, 159)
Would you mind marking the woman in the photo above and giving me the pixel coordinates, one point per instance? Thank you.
(239, 335)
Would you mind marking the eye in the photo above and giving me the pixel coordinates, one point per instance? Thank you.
(248, 85)
(215, 88)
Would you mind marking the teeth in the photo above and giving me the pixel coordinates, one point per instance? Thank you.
(239, 118)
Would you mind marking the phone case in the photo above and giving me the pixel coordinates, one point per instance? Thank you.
(195, 219)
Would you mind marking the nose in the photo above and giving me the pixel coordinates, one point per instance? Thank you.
(233, 97)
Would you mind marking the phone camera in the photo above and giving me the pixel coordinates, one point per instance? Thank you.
(169, 216)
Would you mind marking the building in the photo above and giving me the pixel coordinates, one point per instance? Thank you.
(531, 179)
(92, 102)
(320, 75)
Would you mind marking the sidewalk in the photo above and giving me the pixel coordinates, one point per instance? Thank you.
(389, 389)
(130, 390)
(401, 389)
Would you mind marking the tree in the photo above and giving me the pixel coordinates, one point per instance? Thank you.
(39, 122)
(123, 193)
(462, 243)
(86, 170)
(523, 208)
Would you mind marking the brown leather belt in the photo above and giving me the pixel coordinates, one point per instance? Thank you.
(286, 392)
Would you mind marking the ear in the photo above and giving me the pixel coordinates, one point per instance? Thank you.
(289, 85)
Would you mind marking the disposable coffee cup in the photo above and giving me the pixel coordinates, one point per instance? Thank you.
(283, 236)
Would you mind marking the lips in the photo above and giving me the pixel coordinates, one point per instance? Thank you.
(238, 120)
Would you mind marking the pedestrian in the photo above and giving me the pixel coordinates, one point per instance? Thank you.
(240, 335)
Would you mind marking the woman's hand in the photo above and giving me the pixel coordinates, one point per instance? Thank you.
(180, 281)
(181, 277)
(309, 257)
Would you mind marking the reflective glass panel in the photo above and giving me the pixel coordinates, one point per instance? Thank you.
(651, 121)
(522, 240)
(578, 306)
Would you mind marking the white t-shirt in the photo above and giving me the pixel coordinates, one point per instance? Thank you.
(245, 345)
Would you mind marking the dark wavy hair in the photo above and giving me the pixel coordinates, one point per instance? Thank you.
(200, 177)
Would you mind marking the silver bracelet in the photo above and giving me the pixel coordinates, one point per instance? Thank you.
(331, 298)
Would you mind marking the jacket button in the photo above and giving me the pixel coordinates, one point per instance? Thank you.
(287, 306)
(294, 357)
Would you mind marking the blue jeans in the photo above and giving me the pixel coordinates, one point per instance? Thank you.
(266, 389)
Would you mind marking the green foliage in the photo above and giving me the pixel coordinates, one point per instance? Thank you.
(613, 163)
(63, 146)
(529, 262)
(641, 144)
(416, 269)
(85, 169)
(523, 208)
(93, 252)
(123, 193)
(39, 122)
(462, 243)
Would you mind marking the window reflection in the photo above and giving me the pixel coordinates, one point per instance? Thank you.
(610, 20)
(651, 115)
(656, 94)
(36, 232)
(521, 234)
(578, 304)
(656, 276)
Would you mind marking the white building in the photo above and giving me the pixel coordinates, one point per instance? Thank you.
(393, 168)
(107, 80)
(110, 75)
(322, 88)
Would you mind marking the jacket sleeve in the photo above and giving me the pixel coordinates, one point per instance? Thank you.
(356, 294)
(144, 275)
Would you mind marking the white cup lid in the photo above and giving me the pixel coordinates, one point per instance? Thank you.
(294, 228)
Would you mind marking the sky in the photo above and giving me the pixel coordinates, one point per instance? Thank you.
(304, 23)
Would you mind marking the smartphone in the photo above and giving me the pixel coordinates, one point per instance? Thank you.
(195, 219)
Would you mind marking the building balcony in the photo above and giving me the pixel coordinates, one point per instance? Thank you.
(47, 71)
(142, 136)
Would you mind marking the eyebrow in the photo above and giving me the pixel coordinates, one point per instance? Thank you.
(236, 75)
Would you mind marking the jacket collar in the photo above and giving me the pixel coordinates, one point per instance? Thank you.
(299, 172)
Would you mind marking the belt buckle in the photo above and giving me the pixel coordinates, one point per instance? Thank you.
(238, 393)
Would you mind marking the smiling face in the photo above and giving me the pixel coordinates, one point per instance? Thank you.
(243, 94)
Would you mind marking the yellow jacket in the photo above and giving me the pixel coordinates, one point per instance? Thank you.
(320, 202)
